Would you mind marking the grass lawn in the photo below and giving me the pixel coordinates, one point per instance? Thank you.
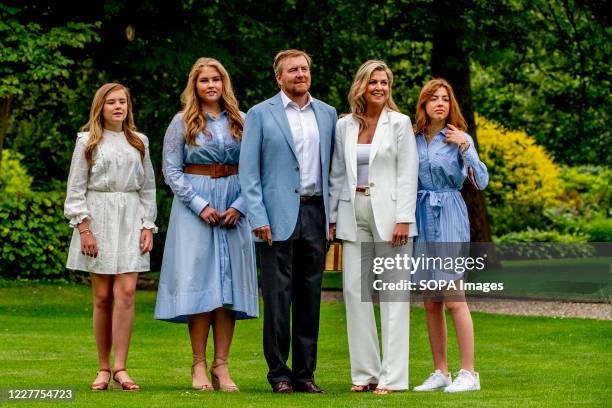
(46, 342)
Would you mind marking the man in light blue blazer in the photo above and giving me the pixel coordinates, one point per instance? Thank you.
(284, 173)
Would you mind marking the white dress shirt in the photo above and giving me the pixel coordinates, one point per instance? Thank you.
(305, 132)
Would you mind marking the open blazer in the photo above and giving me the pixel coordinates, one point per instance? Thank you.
(393, 175)
(269, 168)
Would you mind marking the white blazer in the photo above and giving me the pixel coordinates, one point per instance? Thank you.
(393, 175)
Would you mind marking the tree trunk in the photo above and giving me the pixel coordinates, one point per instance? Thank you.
(451, 62)
(5, 115)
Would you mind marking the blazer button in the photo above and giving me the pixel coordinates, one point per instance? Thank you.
(297, 191)
(297, 168)
(371, 184)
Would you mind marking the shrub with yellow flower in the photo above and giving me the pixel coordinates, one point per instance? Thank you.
(524, 180)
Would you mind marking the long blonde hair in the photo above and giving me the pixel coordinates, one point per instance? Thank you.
(195, 120)
(454, 117)
(360, 84)
(95, 126)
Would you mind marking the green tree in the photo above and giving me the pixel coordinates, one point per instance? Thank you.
(543, 66)
(32, 59)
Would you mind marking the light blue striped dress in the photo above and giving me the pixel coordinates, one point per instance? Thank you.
(441, 213)
(204, 267)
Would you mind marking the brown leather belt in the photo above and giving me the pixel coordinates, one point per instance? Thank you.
(364, 190)
(213, 170)
(310, 199)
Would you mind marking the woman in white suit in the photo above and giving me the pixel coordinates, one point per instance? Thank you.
(373, 188)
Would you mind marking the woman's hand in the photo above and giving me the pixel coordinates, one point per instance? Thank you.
(332, 231)
(210, 215)
(146, 241)
(400, 234)
(89, 247)
(230, 217)
(456, 136)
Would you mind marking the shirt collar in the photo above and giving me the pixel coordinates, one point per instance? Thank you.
(287, 101)
(221, 115)
(441, 132)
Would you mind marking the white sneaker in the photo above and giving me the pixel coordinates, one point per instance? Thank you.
(465, 381)
(436, 381)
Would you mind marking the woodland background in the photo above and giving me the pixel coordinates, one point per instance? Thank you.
(532, 77)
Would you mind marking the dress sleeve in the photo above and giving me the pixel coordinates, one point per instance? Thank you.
(472, 161)
(75, 206)
(173, 161)
(147, 192)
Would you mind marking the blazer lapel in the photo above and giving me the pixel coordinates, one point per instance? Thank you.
(352, 133)
(280, 116)
(380, 134)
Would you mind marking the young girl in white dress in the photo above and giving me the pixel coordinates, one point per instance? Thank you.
(110, 203)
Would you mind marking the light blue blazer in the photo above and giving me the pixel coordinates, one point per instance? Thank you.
(269, 168)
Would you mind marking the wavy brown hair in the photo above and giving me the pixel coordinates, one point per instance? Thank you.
(95, 126)
(358, 89)
(454, 117)
(194, 118)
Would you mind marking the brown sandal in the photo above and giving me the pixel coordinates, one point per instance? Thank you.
(101, 386)
(363, 388)
(126, 385)
(198, 360)
(218, 386)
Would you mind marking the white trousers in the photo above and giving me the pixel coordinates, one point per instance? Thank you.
(366, 365)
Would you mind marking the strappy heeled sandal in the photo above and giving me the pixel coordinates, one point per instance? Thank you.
(382, 391)
(363, 388)
(101, 386)
(217, 385)
(126, 385)
(203, 387)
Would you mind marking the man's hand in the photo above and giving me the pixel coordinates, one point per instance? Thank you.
(264, 233)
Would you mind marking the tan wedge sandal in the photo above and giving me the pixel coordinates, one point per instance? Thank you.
(218, 386)
(199, 387)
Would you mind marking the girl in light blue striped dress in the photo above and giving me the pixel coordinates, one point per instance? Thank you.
(447, 157)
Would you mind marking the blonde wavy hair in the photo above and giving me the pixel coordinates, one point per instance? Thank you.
(195, 120)
(95, 126)
(356, 96)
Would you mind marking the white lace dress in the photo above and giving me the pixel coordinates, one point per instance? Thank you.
(117, 195)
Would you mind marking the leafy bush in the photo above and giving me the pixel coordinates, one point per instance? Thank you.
(13, 176)
(536, 235)
(524, 180)
(538, 244)
(34, 235)
(587, 190)
(599, 230)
